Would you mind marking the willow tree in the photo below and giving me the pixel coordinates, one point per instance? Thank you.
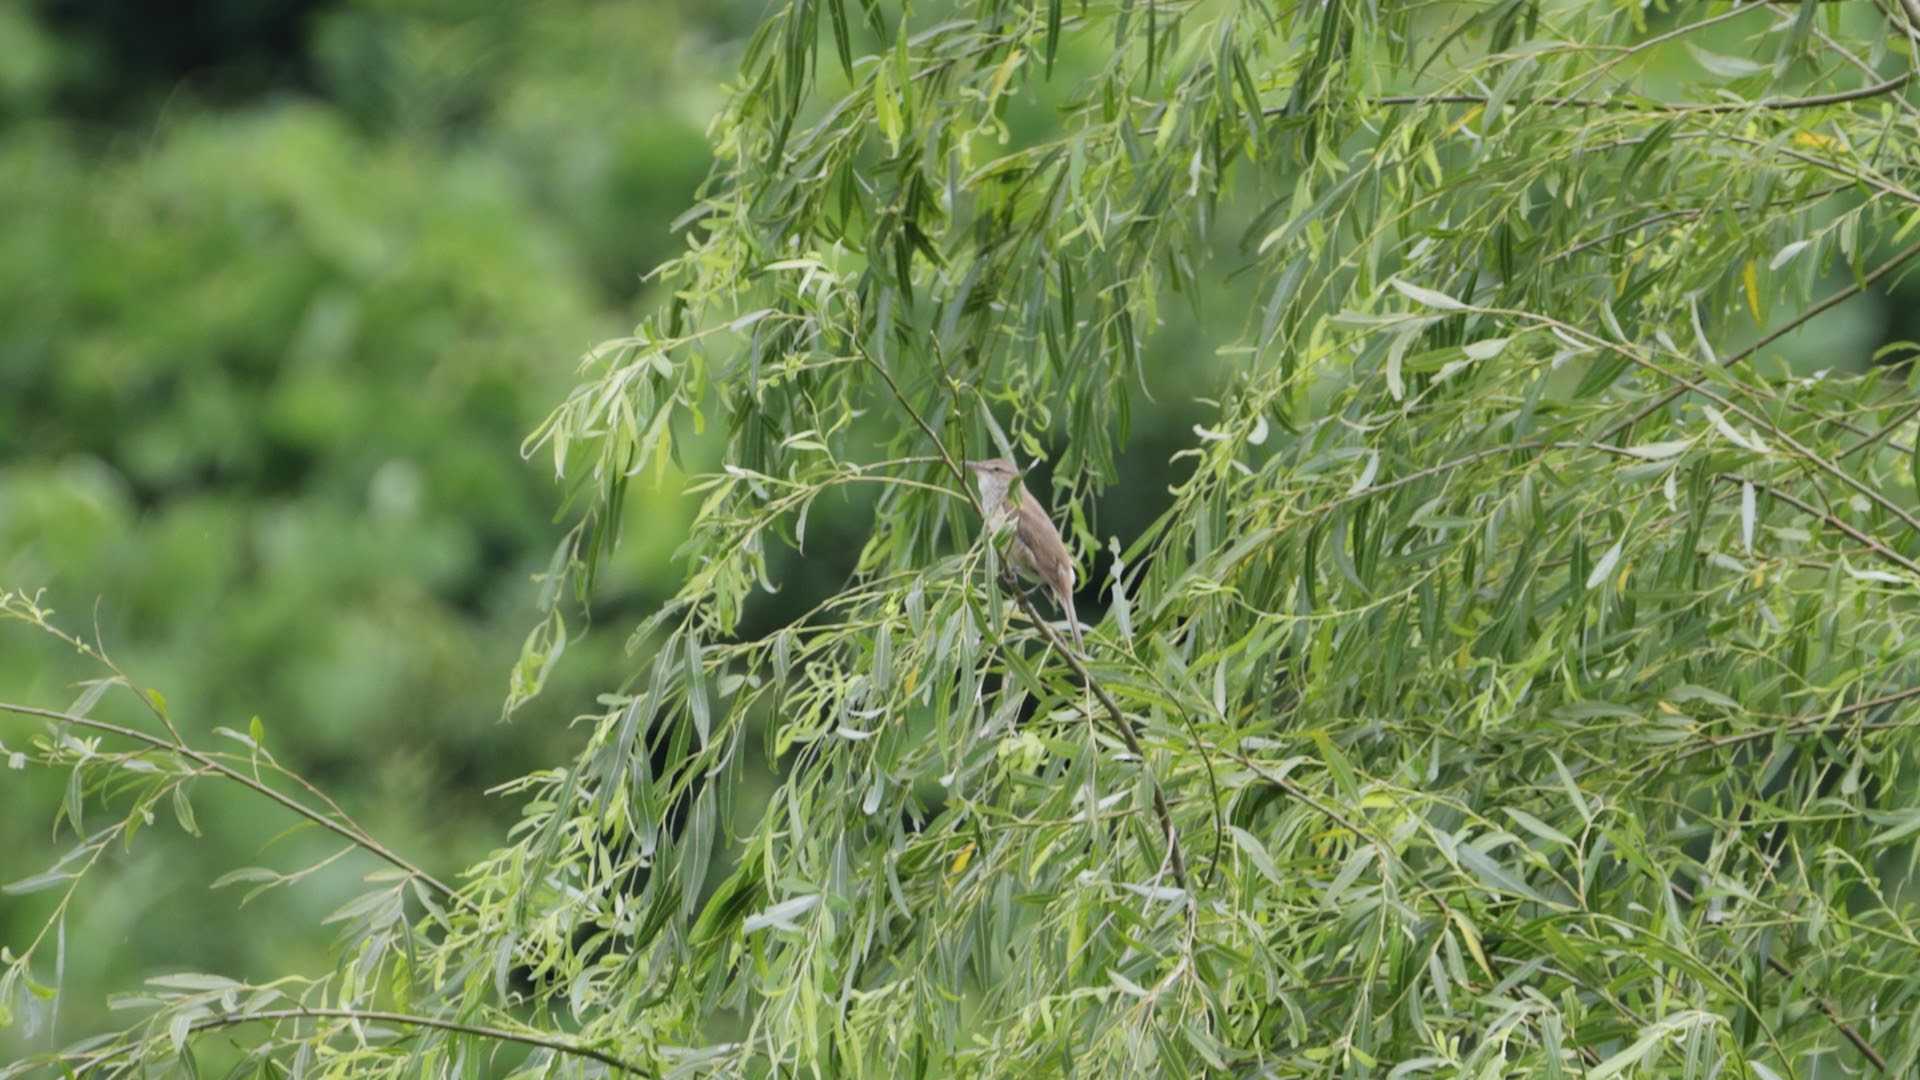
(1519, 683)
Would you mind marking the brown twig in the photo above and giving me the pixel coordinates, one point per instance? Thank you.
(1808, 723)
(1691, 212)
(1794, 501)
(1885, 430)
(1906, 21)
(1879, 183)
(1803, 452)
(1118, 722)
(1832, 1014)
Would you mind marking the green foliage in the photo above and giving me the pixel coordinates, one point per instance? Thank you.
(1517, 684)
(263, 379)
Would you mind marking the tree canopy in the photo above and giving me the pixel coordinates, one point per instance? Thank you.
(1516, 683)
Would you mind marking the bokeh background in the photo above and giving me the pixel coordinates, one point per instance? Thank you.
(283, 284)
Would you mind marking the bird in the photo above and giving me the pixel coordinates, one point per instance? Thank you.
(1036, 550)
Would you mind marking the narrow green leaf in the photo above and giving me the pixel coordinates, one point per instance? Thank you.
(1257, 853)
(696, 687)
(1493, 875)
(1428, 297)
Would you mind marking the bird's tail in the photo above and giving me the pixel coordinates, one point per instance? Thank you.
(1073, 621)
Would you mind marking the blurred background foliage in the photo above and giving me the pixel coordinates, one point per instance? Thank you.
(283, 284)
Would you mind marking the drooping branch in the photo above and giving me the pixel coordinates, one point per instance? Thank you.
(1685, 384)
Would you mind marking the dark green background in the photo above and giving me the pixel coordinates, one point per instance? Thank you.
(282, 287)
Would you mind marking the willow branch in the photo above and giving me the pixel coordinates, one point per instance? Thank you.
(1885, 430)
(1866, 540)
(1815, 101)
(1865, 68)
(1878, 548)
(1878, 183)
(1847, 1031)
(1691, 212)
(210, 763)
(1118, 722)
(1804, 452)
(1810, 723)
(546, 1042)
(1904, 20)
(1894, 262)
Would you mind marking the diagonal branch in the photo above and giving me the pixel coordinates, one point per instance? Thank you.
(1693, 212)
(1804, 452)
(357, 837)
(1827, 1009)
(1826, 1006)
(1885, 430)
(1878, 548)
(89, 1062)
(1866, 540)
(1894, 262)
(1810, 723)
(1905, 18)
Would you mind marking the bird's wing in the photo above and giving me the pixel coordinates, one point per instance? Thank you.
(1051, 551)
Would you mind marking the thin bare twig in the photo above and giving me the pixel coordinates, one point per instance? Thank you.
(1690, 212)
(1809, 509)
(1803, 452)
(1885, 430)
(1866, 69)
(1879, 549)
(1847, 1031)
(1809, 723)
(1870, 179)
(1906, 20)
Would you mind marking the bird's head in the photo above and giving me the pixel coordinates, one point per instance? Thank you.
(998, 478)
(999, 468)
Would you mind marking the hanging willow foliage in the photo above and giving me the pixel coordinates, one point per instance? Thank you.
(1518, 685)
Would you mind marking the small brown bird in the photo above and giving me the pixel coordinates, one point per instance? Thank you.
(1036, 551)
